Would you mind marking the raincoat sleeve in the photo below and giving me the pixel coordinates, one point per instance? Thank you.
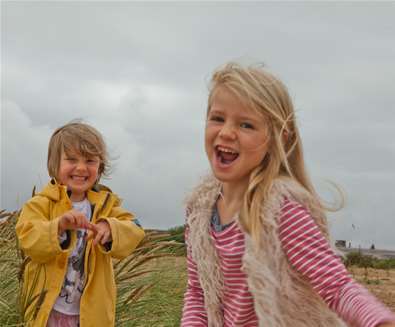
(37, 233)
(126, 235)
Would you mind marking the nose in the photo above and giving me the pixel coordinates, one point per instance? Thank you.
(228, 132)
(81, 165)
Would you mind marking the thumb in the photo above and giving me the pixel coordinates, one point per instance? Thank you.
(89, 234)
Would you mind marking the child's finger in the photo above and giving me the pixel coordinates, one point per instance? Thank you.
(82, 223)
(79, 216)
(92, 227)
(81, 220)
(105, 238)
(98, 237)
(69, 220)
(89, 234)
(91, 231)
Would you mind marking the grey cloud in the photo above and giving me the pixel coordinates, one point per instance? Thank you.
(139, 72)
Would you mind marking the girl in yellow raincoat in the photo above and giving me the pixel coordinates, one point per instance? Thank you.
(69, 232)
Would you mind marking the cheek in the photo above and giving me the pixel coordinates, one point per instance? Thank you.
(61, 176)
(62, 171)
(209, 138)
(252, 144)
(94, 171)
(211, 132)
(206, 136)
(207, 147)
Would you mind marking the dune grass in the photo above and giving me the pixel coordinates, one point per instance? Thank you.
(151, 281)
(141, 279)
(161, 306)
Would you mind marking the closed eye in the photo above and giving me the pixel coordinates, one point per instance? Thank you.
(216, 118)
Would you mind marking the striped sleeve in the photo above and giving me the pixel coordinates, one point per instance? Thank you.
(311, 255)
(193, 313)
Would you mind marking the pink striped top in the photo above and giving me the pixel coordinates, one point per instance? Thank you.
(308, 252)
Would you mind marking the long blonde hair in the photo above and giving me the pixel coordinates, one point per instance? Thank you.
(258, 89)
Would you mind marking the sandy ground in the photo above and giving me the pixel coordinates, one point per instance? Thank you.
(380, 282)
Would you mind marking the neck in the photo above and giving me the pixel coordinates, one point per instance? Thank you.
(230, 201)
(233, 194)
(77, 197)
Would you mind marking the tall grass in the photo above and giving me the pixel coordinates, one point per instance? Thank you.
(161, 306)
(10, 269)
(133, 275)
(130, 272)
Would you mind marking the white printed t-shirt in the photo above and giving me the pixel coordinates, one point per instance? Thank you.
(68, 301)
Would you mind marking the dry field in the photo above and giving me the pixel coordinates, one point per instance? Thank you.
(165, 300)
(380, 282)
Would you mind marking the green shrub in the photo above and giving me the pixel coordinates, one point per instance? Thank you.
(174, 236)
(368, 261)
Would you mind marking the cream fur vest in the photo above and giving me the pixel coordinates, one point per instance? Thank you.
(282, 297)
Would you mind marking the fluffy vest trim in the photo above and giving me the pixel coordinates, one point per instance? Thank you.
(282, 297)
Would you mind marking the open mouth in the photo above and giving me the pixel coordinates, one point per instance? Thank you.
(225, 155)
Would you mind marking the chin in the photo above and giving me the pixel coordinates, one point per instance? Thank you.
(224, 178)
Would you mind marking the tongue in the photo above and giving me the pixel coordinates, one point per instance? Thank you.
(228, 157)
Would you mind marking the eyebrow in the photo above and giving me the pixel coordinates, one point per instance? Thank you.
(70, 153)
(245, 117)
(216, 111)
(241, 116)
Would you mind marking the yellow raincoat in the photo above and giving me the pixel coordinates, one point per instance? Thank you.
(37, 231)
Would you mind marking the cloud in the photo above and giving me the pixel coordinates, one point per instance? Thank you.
(23, 162)
(139, 72)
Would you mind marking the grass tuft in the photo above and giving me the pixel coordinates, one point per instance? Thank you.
(138, 277)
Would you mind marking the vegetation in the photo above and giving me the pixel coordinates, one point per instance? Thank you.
(10, 263)
(134, 275)
(151, 281)
(162, 304)
(367, 261)
(177, 233)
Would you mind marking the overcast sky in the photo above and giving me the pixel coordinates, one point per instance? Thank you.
(139, 73)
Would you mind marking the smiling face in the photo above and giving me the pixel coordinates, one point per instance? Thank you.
(236, 138)
(78, 173)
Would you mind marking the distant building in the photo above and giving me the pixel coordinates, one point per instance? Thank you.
(340, 243)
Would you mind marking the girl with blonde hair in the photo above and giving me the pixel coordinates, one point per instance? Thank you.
(69, 233)
(256, 232)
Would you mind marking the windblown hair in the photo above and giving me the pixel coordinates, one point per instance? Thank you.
(259, 90)
(79, 137)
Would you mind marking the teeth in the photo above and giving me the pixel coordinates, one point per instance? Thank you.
(220, 148)
(79, 177)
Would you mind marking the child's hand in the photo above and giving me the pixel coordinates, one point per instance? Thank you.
(74, 219)
(101, 234)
